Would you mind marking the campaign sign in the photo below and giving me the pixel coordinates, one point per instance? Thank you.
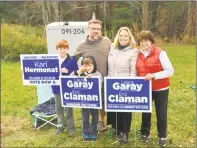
(40, 69)
(128, 94)
(80, 92)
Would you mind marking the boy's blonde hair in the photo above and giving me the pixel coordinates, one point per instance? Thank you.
(132, 41)
(62, 44)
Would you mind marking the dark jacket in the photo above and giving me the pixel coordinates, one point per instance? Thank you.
(70, 64)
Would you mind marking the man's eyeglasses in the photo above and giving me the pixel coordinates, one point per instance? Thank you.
(98, 29)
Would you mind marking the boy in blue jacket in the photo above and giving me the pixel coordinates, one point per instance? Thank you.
(68, 65)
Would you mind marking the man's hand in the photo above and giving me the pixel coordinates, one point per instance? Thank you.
(64, 70)
(149, 76)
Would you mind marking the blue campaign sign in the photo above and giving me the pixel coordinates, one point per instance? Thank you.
(128, 94)
(40, 69)
(80, 92)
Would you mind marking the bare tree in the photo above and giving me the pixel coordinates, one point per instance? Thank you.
(191, 19)
(145, 16)
(143, 13)
(55, 6)
(43, 14)
(104, 14)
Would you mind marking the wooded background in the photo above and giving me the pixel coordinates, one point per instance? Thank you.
(172, 21)
(23, 32)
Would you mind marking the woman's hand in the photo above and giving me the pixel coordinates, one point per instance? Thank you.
(149, 76)
(64, 70)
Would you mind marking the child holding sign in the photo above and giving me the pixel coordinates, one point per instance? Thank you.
(68, 65)
(88, 69)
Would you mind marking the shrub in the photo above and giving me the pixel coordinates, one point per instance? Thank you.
(189, 40)
(17, 39)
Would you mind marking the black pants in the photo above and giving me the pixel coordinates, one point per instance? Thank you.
(161, 101)
(122, 122)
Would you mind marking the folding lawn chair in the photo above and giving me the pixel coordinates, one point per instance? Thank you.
(44, 113)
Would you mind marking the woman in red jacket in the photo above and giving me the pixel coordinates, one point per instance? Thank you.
(154, 64)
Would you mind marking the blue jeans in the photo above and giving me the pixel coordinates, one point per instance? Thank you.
(86, 115)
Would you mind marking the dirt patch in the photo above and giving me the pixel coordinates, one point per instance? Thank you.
(11, 124)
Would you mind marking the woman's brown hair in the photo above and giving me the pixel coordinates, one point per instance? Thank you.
(146, 35)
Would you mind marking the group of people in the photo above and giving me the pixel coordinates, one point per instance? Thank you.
(121, 58)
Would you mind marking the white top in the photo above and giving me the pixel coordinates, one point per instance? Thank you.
(165, 63)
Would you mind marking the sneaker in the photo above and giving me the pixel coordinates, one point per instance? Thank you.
(144, 138)
(94, 137)
(59, 130)
(117, 134)
(102, 126)
(124, 139)
(162, 142)
(86, 137)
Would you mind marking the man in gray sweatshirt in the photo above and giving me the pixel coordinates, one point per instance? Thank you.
(97, 46)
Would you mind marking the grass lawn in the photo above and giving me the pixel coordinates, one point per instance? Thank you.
(17, 100)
